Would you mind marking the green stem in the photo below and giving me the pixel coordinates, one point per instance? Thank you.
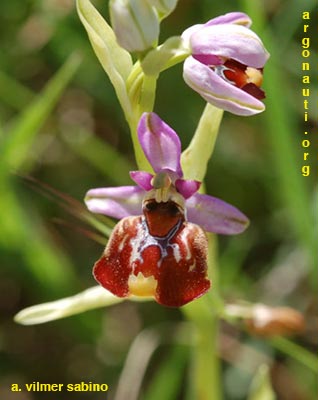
(148, 90)
(202, 144)
(205, 372)
(204, 316)
(204, 313)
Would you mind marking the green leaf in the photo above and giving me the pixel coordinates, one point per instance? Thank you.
(167, 382)
(20, 139)
(115, 60)
(23, 234)
(261, 388)
(14, 93)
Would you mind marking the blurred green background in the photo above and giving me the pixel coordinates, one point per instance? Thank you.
(61, 126)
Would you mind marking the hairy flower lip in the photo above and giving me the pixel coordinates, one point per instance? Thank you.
(158, 254)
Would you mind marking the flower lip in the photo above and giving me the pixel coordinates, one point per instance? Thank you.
(246, 78)
(171, 267)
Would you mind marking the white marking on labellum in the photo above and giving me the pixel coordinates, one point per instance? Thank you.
(123, 242)
(184, 239)
(176, 252)
(144, 239)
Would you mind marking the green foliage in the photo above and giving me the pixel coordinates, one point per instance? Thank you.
(19, 139)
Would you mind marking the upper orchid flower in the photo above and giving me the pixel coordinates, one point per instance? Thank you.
(159, 248)
(226, 65)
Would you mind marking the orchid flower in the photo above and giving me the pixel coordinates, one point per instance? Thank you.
(226, 63)
(159, 248)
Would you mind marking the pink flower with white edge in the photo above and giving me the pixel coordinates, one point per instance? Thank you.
(226, 63)
(159, 248)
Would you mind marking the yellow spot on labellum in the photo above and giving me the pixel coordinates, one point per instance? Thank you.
(142, 286)
(254, 76)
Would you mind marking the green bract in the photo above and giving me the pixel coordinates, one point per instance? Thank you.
(115, 60)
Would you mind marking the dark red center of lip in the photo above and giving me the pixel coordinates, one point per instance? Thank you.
(244, 77)
(161, 217)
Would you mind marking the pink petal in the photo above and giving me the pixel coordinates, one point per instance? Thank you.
(230, 41)
(116, 202)
(237, 18)
(143, 179)
(190, 31)
(160, 143)
(208, 59)
(187, 187)
(215, 215)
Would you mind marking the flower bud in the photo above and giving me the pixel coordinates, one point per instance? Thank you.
(135, 23)
(268, 321)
